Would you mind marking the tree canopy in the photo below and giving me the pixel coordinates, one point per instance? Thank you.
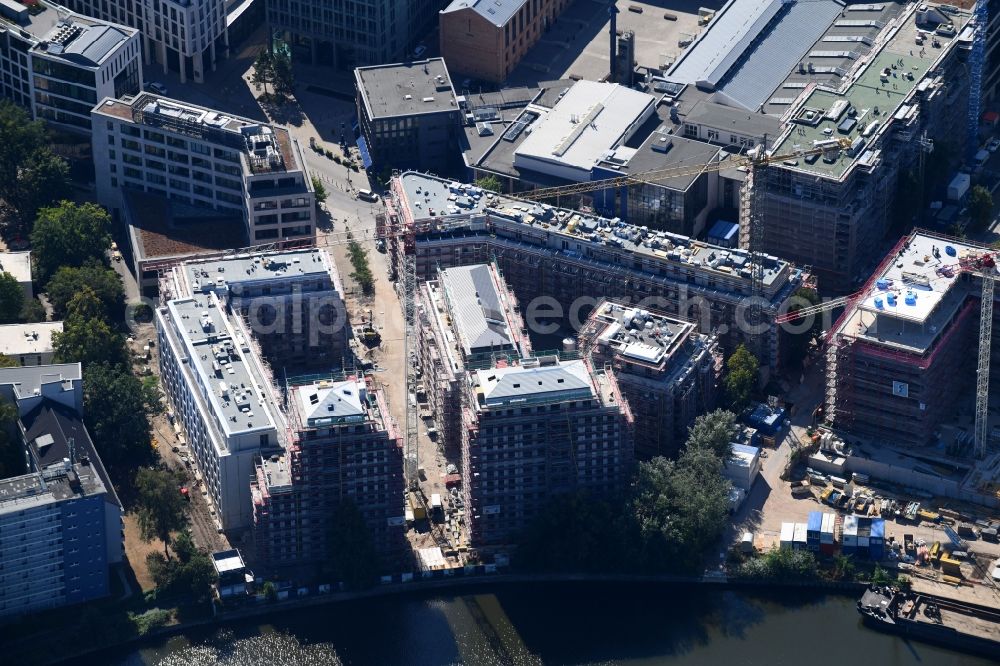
(714, 431)
(11, 299)
(190, 573)
(69, 235)
(273, 68)
(741, 377)
(162, 510)
(491, 183)
(11, 450)
(31, 176)
(102, 281)
(85, 339)
(980, 207)
(116, 405)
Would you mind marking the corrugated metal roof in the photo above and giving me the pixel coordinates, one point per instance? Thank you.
(476, 307)
(715, 50)
(770, 60)
(497, 12)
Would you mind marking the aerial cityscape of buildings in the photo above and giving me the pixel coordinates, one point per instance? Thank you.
(463, 267)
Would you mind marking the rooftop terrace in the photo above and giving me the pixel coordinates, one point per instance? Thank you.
(879, 90)
(641, 336)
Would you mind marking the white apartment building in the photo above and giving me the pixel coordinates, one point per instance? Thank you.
(18, 264)
(29, 344)
(222, 396)
(198, 156)
(183, 36)
(58, 64)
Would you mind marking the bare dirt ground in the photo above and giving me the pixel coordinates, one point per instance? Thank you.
(136, 550)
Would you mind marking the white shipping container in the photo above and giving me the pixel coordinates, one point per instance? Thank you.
(850, 525)
(800, 534)
(787, 534)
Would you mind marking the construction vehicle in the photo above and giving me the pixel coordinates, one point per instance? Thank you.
(368, 335)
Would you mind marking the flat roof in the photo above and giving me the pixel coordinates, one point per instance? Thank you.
(18, 339)
(263, 147)
(230, 378)
(431, 197)
(227, 560)
(591, 119)
(406, 89)
(219, 273)
(876, 93)
(27, 380)
(478, 311)
(640, 335)
(165, 229)
(720, 116)
(18, 264)
(662, 151)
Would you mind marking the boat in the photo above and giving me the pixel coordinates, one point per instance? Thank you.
(923, 617)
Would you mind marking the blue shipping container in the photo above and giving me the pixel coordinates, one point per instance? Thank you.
(876, 552)
(815, 523)
(878, 531)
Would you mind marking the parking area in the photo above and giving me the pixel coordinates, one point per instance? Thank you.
(577, 44)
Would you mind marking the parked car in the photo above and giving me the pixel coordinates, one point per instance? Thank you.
(156, 87)
(419, 51)
(993, 145)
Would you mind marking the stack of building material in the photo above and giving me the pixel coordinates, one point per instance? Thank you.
(787, 535)
(799, 536)
(814, 528)
(850, 535)
(826, 534)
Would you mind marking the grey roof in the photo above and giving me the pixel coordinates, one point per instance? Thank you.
(565, 381)
(769, 59)
(225, 273)
(30, 379)
(406, 89)
(479, 315)
(707, 60)
(93, 44)
(665, 151)
(322, 403)
(712, 114)
(497, 12)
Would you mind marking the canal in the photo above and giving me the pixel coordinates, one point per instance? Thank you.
(556, 624)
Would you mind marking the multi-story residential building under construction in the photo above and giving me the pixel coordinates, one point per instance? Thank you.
(534, 429)
(341, 445)
(666, 370)
(292, 301)
(902, 357)
(467, 319)
(578, 259)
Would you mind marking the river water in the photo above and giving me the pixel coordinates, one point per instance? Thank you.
(557, 624)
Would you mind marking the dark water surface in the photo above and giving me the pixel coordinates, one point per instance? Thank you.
(557, 624)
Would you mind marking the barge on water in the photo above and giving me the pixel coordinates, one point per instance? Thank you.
(932, 619)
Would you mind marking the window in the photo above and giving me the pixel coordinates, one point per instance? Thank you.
(713, 135)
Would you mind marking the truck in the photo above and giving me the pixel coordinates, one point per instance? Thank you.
(437, 508)
(958, 186)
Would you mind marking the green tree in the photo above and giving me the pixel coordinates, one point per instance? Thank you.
(11, 450)
(741, 377)
(32, 311)
(30, 175)
(490, 182)
(69, 235)
(102, 281)
(161, 508)
(980, 207)
(269, 591)
(281, 70)
(320, 189)
(7, 362)
(87, 340)
(11, 299)
(189, 574)
(572, 535)
(362, 271)
(796, 344)
(263, 70)
(843, 567)
(116, 406)
(353, 559)
(714, 431)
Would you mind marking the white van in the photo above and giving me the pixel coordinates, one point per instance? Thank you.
(981, 157)
(367, 195)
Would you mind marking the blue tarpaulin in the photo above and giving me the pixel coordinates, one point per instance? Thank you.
(366, 158)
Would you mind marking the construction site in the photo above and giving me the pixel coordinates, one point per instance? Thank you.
(904, 374)
(667, 371)
(546, 252)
